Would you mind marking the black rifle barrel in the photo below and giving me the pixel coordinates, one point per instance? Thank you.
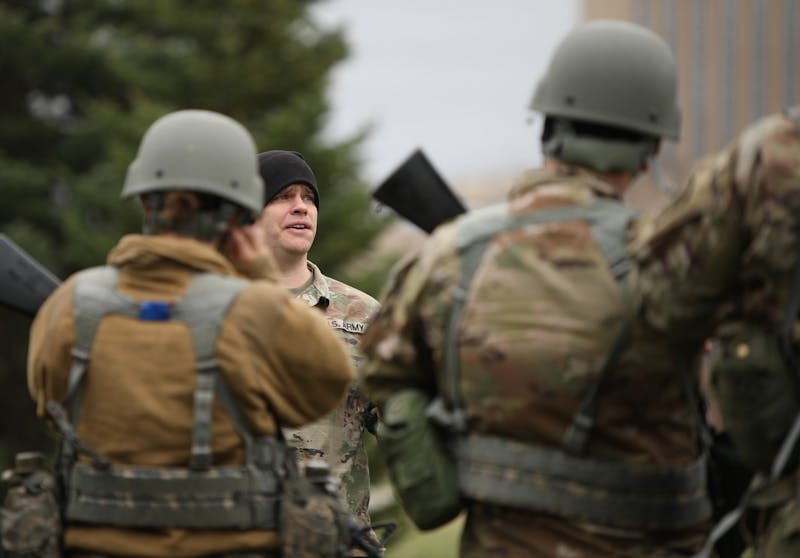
(24, 282)
(417, 192)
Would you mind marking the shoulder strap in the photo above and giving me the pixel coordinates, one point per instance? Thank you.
(608, 219)
(95, 295)
(203, 307)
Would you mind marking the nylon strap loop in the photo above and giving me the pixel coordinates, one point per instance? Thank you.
(510, 473)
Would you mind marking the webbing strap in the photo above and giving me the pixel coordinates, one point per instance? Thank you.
(152, 483)
(593, 473)
(211, 514)
(94, 297)
(264, 451)
(227, 497)
(510, 473)
(200, 459)
(203, 308)
(606, 217)
(576, 439)
(198, 496)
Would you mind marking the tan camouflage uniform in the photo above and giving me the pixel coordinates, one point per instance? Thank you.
(722, 253)
(339, 437)
(539, 319)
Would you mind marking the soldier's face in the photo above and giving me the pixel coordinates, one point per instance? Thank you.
(289, 221)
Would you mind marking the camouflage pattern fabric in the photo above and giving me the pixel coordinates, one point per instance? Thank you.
(265, 554)
(30, 521)
(721, 254)
(782, 540)
(311, 525)
(338, 438)
(538, 322)
(725, 248)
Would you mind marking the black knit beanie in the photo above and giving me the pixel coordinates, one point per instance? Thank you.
(280, 169)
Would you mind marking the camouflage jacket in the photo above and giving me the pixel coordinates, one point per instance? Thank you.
(339, 437)
(720, 258)
(539, 319)
(724, 249)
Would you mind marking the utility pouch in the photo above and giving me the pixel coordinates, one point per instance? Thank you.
(316, 523)
(423, 470)
(313, 517)
(757, 392)
(30, 518)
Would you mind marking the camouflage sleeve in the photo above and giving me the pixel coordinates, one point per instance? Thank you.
(401, 340)
(735, 218)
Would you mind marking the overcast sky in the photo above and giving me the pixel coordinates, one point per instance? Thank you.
(453, 77)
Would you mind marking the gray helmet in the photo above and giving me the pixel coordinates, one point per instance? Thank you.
(612, 73)
(201, 151)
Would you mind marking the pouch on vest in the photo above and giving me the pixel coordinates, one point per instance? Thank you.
(422, 469)
(30, 518)
(311, 517)
(315, 522)
(757, 392)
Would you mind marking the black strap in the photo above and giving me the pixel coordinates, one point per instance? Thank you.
(576, 438)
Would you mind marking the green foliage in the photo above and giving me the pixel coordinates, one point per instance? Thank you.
(82, 81)
(409, 542)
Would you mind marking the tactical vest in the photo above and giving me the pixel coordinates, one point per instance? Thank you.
(562, 481)
(199, 495)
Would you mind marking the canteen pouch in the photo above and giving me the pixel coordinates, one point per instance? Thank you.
(757, 392)
(422, 470)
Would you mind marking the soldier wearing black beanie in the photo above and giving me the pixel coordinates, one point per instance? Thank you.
(280, 169)
(289, 224)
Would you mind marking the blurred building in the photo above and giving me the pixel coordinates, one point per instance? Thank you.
(738, 59)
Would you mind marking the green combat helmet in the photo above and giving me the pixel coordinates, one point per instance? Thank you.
(200, 151)
(614, 74)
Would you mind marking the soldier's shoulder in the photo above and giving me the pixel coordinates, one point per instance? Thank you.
(342, 293)
(767, 134)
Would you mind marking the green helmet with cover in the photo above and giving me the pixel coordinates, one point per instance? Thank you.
(613, 74)
(200, 151)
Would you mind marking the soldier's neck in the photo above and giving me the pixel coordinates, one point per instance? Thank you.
(619, 180)
(294, 272)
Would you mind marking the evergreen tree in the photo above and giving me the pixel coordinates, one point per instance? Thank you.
(82, 81)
